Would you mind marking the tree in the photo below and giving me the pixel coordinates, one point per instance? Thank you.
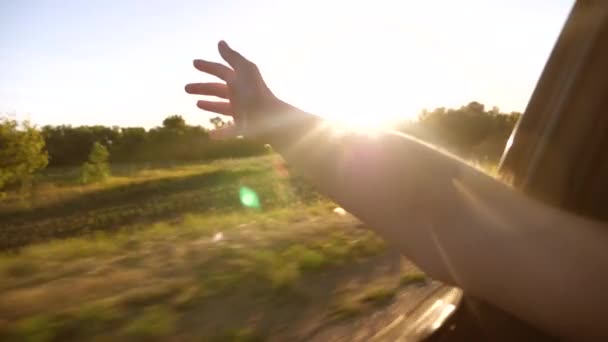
(175, 122)
(217, 122)
(471, 131)
(21, 152)
(174, 140)
(96, 169)
(129, 146)
(69, 145)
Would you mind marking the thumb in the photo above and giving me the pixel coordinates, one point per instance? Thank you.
(233, 58)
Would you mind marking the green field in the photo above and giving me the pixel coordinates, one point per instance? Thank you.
(233, 250)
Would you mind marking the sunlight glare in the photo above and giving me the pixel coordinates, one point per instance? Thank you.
(339, 127)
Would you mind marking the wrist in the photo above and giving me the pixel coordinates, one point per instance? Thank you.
(283, 123)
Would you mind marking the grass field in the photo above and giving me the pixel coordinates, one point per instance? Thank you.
(234, 250)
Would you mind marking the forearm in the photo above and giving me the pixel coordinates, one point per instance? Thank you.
(392, 182)
(458, 224)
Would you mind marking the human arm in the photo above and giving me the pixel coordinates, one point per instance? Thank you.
(458, 224)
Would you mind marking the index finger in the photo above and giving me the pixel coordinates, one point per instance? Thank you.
(233, 58)
(216, 69)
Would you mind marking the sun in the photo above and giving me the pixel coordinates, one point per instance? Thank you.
(340, 127)
(340, 90)
(355, 107)
(362, 117)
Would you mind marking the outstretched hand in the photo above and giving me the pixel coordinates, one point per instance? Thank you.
(248, 97)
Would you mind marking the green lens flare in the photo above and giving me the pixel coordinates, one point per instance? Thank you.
(249, 198)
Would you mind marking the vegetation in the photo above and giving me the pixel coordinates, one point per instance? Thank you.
(412, 278)
(21, 153)
(179, 244)
(218, 122)
(378, 293)
(96, 169)
(138, 194)
(204, 266)
(471, 131)
(174, 141)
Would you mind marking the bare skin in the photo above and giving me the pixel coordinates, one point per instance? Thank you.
(461, 226)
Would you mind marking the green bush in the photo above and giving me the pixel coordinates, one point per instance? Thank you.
(173, 141)
(21, 152)
(96, 169)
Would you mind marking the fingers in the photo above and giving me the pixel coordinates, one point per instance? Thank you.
(216, 69)
(233, 58)
(211, 89)
(223, 108)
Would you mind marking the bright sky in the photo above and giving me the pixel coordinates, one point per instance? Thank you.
(125, 62)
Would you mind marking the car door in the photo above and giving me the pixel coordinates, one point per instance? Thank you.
(558, 153)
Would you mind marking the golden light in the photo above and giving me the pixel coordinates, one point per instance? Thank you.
(354, 74)
(353, 100)
(339, 127)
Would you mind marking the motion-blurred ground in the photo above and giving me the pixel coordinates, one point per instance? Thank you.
(234, 250)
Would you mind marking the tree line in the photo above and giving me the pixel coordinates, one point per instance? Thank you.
(174, 140)
(471, 132)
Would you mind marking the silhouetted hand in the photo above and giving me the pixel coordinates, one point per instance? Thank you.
(249, 99)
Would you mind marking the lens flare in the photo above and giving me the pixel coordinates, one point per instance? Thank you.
(249, 197)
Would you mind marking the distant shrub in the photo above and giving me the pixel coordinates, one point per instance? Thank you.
(96, 169)
(21, 152)
(173, 141)
(472, 131)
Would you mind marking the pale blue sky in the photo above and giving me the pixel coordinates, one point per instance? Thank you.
(125, 62)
